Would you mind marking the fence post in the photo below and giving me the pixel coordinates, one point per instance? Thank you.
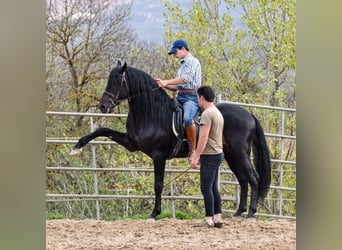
(171, 191)
(218, 100)
(94, 166)
(281, 165)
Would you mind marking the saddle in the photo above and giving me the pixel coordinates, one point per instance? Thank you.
(178, 126)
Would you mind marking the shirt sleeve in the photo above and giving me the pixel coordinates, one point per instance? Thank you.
(205, 119)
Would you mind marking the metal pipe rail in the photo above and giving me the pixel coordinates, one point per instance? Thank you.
(128, 197)
(264, 215)
(271, 187)
(151, 170)
(85, 114)
(259, 106)
(75, 141)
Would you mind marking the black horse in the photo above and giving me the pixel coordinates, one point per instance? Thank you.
(149, 129)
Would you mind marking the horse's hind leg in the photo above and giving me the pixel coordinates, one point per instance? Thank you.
(253, 181)
(243, 197)
(234, 166)
(245, 175)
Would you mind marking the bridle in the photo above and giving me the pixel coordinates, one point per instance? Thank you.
(116, 93)
(114, 97)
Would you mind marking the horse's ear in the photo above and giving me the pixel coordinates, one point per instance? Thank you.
(119, 64)
(123, 68)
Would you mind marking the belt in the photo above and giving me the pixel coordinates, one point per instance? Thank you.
(187, 91)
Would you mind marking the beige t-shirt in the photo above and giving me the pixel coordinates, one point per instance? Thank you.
(213, 118)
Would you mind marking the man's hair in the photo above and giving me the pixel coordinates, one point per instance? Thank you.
(207, 92)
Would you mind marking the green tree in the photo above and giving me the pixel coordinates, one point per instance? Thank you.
(225, 64)
(249, 59)
(83, 38)
(272, 29)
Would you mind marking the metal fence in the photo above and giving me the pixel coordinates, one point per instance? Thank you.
(172, 173)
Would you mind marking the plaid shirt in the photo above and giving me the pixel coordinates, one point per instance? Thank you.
(190, 72)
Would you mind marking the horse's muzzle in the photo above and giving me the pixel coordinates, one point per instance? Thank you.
(106, 109)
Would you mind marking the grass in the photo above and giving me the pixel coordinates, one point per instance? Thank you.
(54, 216)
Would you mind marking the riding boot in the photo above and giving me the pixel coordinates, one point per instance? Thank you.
(191, 136)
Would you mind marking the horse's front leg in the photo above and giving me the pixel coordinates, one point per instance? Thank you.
(120, 138)
(159, 168)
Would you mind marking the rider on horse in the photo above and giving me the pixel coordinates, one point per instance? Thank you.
(187, 81)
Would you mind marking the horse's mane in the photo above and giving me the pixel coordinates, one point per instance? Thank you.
(148, 102)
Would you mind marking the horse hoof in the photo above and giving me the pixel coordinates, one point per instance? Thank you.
(151, 219)
(251, 218)
(75, 152)
(237, 217)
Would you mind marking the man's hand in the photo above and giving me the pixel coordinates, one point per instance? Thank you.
(194, 163)
(161, 83)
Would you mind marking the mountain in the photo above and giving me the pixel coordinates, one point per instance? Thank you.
(147, 20)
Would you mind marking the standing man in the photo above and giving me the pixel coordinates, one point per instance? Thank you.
(209, 154)
(187, 81)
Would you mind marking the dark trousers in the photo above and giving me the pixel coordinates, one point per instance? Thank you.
(209, 171)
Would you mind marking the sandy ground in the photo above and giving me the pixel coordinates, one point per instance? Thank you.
(170, 234)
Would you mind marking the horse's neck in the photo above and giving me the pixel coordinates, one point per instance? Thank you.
(148, 102)
(150, 110)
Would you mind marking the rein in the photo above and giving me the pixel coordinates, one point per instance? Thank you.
(170, 182)
(116, 96)
(142, 93)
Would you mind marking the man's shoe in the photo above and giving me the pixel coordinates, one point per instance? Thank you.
(218, 224)
(204, 224)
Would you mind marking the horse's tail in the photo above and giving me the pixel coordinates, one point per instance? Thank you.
(262, 161)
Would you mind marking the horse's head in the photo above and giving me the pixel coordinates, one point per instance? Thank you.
(116, 90)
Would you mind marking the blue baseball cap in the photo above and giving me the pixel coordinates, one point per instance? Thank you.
(178, 44)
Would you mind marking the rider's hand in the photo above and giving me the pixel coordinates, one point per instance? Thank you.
(161, 83)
